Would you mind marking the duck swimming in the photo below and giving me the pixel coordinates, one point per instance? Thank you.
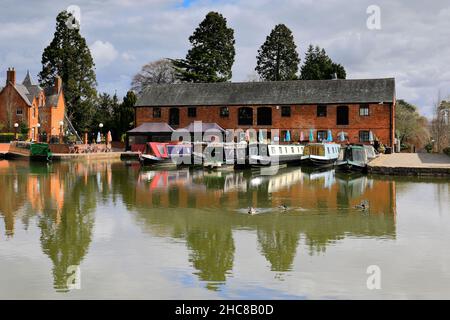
(364, 205)
(251, 210)
(283, 207)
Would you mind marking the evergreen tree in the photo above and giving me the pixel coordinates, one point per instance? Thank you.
(69, 57)
(277, 58)
(212, 54)
(318, 66)
(124, 115)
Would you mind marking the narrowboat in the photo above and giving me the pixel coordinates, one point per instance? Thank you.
(354, 158)
(166, 154)
(371, 152)
(275, 154)
(321, 154)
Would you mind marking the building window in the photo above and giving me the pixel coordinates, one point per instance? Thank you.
(174, 116)
(321, 110)
(364, 110)
(224, 112)
(264, 116)
(321, 135)
(285, 111)
(342, 115)
(156, 112)
(245, 116)
(364, 136)
(192, 112)
(19, 111)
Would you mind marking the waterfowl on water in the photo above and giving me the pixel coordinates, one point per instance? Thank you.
(283, 207)
(251, 210)
(364, 205)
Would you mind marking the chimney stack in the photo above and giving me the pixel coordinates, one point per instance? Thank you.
(11, 76)
(58, 84)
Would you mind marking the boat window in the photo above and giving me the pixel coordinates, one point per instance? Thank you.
(281, 150)
(273, 150)
(328, 150)
(285, 149)
(292, 150)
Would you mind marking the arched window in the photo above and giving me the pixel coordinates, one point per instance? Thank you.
(342, 115)
(264, 116)
(245, 116)
(174, 116)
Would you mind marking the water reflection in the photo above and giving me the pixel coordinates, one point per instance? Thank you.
(201, 209)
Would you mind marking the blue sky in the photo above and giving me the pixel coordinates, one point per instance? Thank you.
(412, 44)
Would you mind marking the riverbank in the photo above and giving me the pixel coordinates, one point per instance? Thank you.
(411, 164)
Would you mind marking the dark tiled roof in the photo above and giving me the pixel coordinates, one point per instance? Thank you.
(148, 127)
(270, 92)
(205, 126)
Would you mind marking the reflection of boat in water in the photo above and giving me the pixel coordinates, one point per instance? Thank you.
(353, 185)
(274, 154)
(321, 154)
(164, 178)
(354, 158)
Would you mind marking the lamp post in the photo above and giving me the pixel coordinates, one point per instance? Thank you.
(37, 131)
(16, 125)
(61, 128)
(101, 131)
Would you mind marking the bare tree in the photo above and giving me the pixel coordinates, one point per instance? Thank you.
(411, 127)
(440, 128)
(156, 72)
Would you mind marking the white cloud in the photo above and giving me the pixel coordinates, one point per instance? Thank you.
(411, 46)
(103, 53)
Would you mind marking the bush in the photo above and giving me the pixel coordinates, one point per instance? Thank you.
(429, 147)
(447, 151)
(6, 137)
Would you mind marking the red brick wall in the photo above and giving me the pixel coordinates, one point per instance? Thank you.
(11, 96)
(302, 117)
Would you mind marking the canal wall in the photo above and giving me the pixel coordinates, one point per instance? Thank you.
(411, 164)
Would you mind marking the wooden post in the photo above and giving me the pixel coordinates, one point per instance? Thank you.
(85, 138)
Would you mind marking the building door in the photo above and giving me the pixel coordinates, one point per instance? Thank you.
(264, 116)
(245, 116)
(174, 116)
(342, 115)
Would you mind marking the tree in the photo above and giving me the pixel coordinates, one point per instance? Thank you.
(156, 72)
(411, 127)
(318, 66)
(212, 54)
(277, 58)
(440, 126)
(69, 57)
(124, 115)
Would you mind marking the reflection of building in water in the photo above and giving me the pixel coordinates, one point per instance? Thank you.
(62, 198)
(321, 211)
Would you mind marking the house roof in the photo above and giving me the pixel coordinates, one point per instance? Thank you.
(204, 126)
(150, 127)
(270, 92)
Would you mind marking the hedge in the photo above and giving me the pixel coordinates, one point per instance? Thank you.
(447, 151)
(8, 137)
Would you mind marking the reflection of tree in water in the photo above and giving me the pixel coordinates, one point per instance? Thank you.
(212, 253)
(66, 243)
(279, 246)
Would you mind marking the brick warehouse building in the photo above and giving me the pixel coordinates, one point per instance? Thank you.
(39, 109)
(355, 107)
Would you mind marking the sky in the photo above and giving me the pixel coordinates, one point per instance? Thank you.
(411, 44)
